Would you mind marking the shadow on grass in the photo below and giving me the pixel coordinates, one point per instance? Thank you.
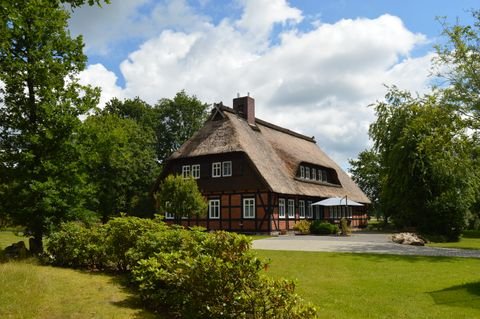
(467, 296)
(133, 301)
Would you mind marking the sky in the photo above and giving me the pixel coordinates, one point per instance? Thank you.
(314, 67)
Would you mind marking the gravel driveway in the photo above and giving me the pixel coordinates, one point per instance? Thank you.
(357, 243)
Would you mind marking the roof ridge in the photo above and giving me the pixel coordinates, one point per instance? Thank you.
(270, 125)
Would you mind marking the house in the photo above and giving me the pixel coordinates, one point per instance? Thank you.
(259, 177)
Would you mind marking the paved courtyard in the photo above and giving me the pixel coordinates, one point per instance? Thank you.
(357, 243)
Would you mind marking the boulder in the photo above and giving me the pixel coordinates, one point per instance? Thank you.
(17, 251)
(409, 239)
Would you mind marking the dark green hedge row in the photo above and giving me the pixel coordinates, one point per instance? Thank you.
(190, 273)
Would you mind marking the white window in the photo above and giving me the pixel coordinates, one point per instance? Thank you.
(169, 215)
(196, 171)
(281, 207)
(214, 209)
(291, 208)
(301, 208)
(185, 171)
(217, 169)
(249, 208)
(302, 172)
(309, 209)
(307, 172)
(314, 174)
(227, 168)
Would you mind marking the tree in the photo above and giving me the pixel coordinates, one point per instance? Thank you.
(365, 172)
(427, 176)
(178, 120)
(181, 197)
(458, 62)
(39, 109)
(119, 156)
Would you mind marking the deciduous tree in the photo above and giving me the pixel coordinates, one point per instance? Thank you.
(39, 109)
(181, 197)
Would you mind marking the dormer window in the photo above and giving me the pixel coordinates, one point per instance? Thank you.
(314, 173)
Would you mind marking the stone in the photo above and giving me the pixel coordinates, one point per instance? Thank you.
(409, 239)
(17, 251)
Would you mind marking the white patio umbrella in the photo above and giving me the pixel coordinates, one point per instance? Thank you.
(337, 201)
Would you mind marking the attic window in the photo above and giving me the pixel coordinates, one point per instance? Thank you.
(311, 172)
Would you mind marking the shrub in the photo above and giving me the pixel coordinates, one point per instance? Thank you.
(322, 228)
(74, 245)
(471, 233)
(345, 227)
(122, 234)
(302, 226)
(217, 277)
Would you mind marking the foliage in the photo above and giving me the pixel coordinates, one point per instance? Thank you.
(471, 234)
(345, 227)
(178, 119)
(181, 197)
(366, 173)
(232, 288)
(425, 154)
(319, 227)
(173, 120)
(122, 234)
(120, 161)
(457, 62)
(77, 246)
(191, 273)
(302, 226)
(41, 103)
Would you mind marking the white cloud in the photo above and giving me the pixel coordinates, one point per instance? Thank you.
(98, 75)
(318, 82)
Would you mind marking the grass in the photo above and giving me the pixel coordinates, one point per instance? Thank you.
(382, 286)
(8, 237)
(464, 243)
(30, 290)
(34, 291)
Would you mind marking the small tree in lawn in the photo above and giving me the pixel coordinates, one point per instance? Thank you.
(181, 197)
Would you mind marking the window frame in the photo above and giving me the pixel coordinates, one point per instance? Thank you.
(249, 202)
(307, 172)
(214, 204)
(314, 174)
(217, 168)
(186, 171)
(302, 172)
(291, 208)
(281, 208)
(224, 165)
(169, 216)
(309, 209)
(194, 170)
(301, 208)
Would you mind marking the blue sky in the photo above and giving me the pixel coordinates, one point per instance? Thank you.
(312, 66)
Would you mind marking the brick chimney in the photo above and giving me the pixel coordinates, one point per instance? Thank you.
(245, 107)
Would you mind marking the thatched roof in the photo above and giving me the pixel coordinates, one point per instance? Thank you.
(276, 153)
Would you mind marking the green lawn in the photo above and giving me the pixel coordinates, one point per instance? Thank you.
(8, 237)
(345, 285)
(465, 243)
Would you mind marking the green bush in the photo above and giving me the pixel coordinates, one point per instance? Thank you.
(322, 228)
(190, 273)
(217, 277)
(302, 226)
(345, 227)
(471, 234)
(74, 245)
(122, 234)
